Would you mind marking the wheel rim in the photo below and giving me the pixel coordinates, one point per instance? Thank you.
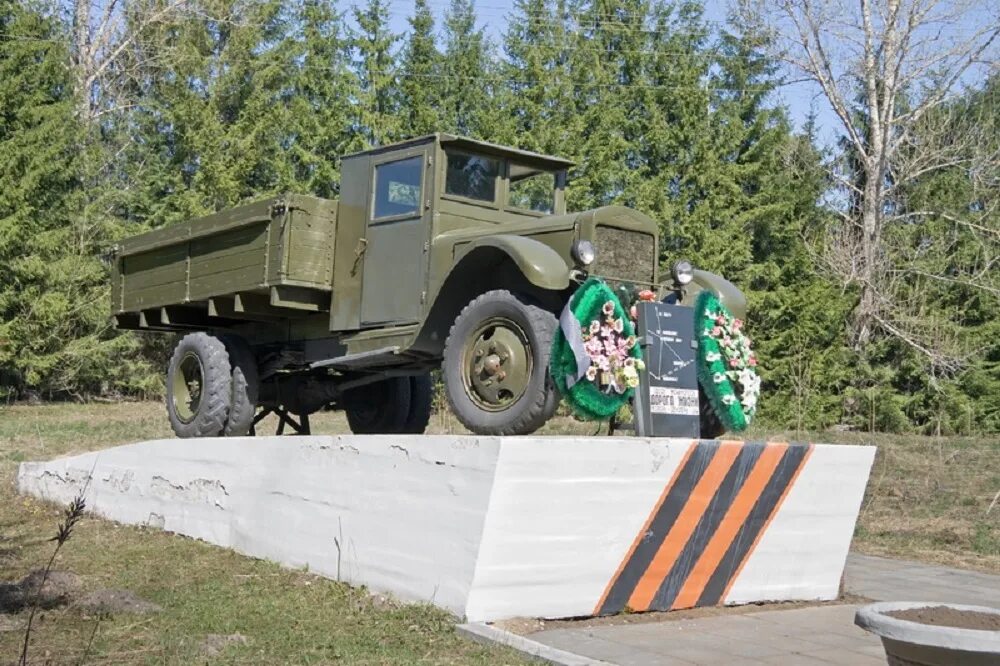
(497, 364)
(189, 385)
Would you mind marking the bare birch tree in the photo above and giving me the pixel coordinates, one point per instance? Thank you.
(103, 31)
(888, 68)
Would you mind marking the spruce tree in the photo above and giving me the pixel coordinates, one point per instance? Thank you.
(610, 63)
(319, 119)
(377, 120)
(55, 330)
(421, 84)
(541, 82)
(464, 78)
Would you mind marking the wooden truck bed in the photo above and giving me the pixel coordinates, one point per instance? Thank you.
(263, 261)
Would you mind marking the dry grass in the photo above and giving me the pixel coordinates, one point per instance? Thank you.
(927, 500)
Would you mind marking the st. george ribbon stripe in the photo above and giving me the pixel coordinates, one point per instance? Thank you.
(717, 507)
(647, 547)
(756, 521)
(740, 507)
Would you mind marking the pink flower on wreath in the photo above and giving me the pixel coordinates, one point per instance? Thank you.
(720, 320)
(595, 327)
(753, 362)
(716, 332)
(737, 324)
(609, 308)
(619, 325)
(593, 346)
(734, 362)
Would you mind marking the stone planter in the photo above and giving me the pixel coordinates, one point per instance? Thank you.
(917, 643)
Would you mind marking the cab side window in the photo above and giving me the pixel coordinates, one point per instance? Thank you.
(531, 189)
(397, 188)
(472, 177)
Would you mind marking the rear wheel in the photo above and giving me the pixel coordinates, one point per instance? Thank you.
(382, 407)
(199, 386)
(245, 386)
(496, 365)
(421, 402)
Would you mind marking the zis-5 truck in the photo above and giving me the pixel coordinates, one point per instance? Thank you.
(441, 252)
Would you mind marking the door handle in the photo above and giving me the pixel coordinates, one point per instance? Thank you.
(359, 252)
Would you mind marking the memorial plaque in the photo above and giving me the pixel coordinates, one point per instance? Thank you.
(666, 402)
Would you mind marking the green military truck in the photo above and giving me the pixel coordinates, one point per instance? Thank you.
(441, 252)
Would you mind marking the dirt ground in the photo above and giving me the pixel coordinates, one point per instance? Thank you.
(526, 626)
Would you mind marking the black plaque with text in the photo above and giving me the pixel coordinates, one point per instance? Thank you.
(666, 403)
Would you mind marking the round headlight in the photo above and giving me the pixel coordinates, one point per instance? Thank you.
(584, 252)
(683, 272)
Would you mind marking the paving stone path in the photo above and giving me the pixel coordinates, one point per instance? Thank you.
(816, 635)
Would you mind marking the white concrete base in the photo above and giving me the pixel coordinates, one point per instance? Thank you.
(490, 527)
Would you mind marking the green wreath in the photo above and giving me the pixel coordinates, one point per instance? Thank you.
(595, 359)
(726, 363)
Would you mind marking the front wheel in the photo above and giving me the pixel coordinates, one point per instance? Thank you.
(496, 365)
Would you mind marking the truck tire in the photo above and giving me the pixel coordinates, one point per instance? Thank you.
(421, 402)
(199, 386)
(245, 386)
(379, 408)
(496, 365)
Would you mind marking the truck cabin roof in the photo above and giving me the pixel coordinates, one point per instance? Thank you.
(525, 157)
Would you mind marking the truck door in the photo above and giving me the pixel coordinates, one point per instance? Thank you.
(397, 233)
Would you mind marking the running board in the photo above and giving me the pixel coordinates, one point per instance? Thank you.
(353, 361)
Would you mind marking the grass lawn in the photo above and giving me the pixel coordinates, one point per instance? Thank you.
(928, 499)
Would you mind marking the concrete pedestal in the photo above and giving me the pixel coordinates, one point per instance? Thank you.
(491, 527)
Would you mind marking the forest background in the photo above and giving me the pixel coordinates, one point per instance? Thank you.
(120, 116)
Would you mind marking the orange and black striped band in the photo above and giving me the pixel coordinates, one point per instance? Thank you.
(704, 526)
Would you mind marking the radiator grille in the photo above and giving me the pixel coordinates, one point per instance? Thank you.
(624, 256)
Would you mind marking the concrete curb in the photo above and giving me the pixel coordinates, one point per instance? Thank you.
(488, 635)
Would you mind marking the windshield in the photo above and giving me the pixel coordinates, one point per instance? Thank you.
(531, 189)
(472, 176)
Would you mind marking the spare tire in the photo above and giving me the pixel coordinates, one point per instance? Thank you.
(199, 386)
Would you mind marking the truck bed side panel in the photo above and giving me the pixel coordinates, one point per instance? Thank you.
(275, 243)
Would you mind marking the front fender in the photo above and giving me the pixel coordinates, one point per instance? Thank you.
(540, 264)
(727, 292)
